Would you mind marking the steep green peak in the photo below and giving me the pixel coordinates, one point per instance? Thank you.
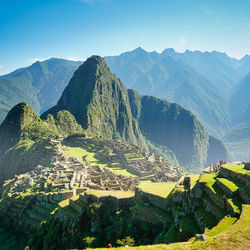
(93, 65)
(92, 78)
(19, 117)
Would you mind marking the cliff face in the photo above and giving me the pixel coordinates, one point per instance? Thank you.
(216, 150)
(104, 107)
(169, 124)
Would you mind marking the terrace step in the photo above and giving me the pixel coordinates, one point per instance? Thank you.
(229, 187)
(236, 172)
(70, 212)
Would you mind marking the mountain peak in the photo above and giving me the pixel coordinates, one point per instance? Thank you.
(139, 50)
(17, 118)
(99, 101)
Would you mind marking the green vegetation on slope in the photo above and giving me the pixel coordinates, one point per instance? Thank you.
(225, 223)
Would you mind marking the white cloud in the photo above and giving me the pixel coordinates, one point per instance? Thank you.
(75, 59)
(1, 66)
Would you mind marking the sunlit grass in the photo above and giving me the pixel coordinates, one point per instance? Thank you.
(117, 194)
(162, 189)
(85, 156)
(237, 168)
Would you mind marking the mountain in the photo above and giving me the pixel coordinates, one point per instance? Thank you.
(99, 102)
(40, 85)
(22, 123)
(104, 107)
(10, 130)
(220, 69)
(237, 141)
(168, 77)
(240, 102)
(244, 66)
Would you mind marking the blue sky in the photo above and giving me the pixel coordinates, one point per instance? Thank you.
(40, 29)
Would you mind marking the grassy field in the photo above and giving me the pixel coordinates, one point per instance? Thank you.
(98, 157)
(222, 225)
(229, 184)
(117, 194)
(237, 168)
(162, 189)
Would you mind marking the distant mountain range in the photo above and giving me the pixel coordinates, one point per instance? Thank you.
(40, 84)
(211, 85)
(201, 82)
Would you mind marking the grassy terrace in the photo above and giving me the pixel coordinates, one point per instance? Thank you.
(222, 225)
(236, 168)
(117, 194)
(229, 184)
(236, 236)
(162, 189)
(98, 157)
(209, 180)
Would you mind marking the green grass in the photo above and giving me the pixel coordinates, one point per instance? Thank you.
(78, 152)
(63, 203)
(117, 194)
(210, 180)
(229, 184)
(237, 168)
(162, 189)
(222, 225)
(98, 157)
